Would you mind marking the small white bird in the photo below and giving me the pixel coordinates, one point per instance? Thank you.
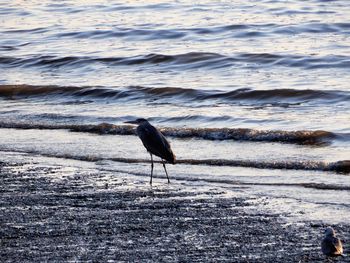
(331, 245)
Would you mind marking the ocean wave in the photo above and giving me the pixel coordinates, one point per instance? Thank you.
(211, 32)
(339, 166)
(31, 30)
(280, 97)
(318, 186)
(311, 28)
(342, 166)
(241, 134)
(190, 60)
(130, 33)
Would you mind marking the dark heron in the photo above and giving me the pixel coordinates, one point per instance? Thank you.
(331, 245)
(154, 142)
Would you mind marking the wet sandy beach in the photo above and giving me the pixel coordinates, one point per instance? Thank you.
(59, 210)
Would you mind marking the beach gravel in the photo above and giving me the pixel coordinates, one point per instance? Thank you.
(51, 213)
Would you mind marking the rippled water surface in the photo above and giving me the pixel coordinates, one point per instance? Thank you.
(249, 92)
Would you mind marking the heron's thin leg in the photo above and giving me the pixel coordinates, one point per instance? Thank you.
(151, 168)
(166, 172)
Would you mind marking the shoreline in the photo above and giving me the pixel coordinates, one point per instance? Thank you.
(62, 213)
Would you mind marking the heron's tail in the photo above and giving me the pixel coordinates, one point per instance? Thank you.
(172, 158)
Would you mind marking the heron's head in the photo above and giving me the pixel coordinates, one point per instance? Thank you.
(137, 121)
(329, 232)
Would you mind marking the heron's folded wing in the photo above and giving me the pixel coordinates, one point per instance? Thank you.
(154, 142)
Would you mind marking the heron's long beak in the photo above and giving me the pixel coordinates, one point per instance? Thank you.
(130, 122)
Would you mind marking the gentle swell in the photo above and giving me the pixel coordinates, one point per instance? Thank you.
(151, 32)
(176, 93)
(191, 60)
(213, 32)
(241, 134)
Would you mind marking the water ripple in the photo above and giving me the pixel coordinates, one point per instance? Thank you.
(151, 32)
(190, 60)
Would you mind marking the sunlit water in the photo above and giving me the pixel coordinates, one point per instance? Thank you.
(241, 88)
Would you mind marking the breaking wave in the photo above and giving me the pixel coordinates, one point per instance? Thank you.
(241, 134)
(339, 166)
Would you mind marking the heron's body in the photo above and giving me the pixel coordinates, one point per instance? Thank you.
(155, 143)
(331, 245)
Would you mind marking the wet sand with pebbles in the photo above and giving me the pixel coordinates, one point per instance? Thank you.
(60, 210)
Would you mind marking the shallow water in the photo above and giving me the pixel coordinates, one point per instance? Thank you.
(249, 93)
